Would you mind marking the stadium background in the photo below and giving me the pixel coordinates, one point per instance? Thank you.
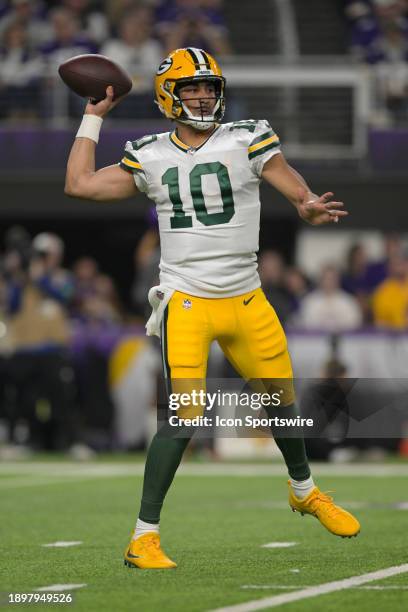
(77, 373)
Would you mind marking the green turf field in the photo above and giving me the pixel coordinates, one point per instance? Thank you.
(214, 525)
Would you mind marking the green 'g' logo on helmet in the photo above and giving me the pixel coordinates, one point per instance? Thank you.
(165, 65)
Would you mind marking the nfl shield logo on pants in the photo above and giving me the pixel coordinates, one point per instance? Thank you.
(187, 304)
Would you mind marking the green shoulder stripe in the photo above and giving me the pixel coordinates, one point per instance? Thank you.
(130, 169)
(124, 167)
(131, 158)
(263, 150)
(263, 136)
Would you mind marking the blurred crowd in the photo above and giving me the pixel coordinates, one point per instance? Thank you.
(76, 367)
(351, 295)
(58, 328)
(355, 293)
(36, 36)
(379, 37)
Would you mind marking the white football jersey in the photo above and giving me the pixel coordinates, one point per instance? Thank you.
(207, 201)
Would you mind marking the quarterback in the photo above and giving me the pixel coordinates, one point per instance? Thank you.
(204, 179)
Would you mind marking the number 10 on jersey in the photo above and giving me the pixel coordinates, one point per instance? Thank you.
(180, 219)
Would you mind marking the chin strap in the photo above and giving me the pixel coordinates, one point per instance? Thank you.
(203, 124)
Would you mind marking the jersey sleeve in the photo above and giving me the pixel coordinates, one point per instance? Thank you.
(130, 163)
(264, 145)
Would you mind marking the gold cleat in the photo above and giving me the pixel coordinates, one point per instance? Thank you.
(145, 553)
(334, 518)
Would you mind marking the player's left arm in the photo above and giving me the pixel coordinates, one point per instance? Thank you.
(312, 208)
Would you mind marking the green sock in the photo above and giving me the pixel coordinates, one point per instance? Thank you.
(293, 447)
(163, 458)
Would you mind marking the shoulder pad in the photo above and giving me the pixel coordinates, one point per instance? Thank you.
(248, 124)
(141, 142)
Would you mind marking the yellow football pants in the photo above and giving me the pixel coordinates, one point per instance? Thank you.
(247, 329)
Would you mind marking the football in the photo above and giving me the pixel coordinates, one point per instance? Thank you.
(89, 75)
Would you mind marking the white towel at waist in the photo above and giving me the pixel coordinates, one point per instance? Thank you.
(158, 297)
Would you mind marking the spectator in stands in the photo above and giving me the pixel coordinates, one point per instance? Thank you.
(28, 14)
(365, 31)
(298, 285)
(390, 9)
(95, 296)
(4, 7)
(390, 300)
(393, 79)
(85, 271)
(38, 269)
(356, 280)
(378, 271)
(93, 22)
(379, 35)
(96, 331)
(271, 269)
(140, 55)
(193, 23)
(68, 39)
(46, 270)
(3, 304)
(104, 305)
(115, 9)
(371, 21)
(16, 257)
(329, 308)
(325, 401)
(40, 368)
(20, 72)
(146, 260)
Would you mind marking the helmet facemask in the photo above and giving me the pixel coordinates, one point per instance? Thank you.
(200, 121)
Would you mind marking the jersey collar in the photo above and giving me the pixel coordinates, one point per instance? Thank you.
(183, 147)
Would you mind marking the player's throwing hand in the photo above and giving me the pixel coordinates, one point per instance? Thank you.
(103, 107)
(319, 210)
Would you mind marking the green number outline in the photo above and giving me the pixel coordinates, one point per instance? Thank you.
(180, 219)
(171, 178)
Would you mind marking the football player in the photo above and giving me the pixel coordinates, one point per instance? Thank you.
(204, 178)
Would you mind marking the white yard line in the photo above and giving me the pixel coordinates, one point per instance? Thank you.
(61, 544)
(384, 588)
(44, 481)
(63, 468)
(281, 587)
(278, 544)
(61, 587)
(291, 587)
(68, 469)
(314, 591)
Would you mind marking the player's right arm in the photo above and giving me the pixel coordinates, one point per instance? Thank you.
(82, 180)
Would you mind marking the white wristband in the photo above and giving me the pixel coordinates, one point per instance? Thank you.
(90, 127)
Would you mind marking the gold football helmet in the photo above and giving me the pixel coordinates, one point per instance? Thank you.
(181, 67)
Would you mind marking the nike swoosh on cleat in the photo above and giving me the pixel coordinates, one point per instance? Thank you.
(246, 302)
(129, 554)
